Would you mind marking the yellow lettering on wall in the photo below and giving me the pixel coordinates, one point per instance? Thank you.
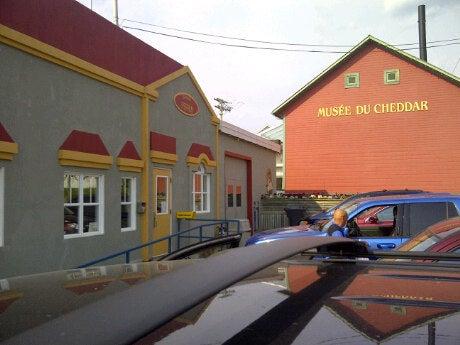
(424, 105)
(335, 111)
(378, 108)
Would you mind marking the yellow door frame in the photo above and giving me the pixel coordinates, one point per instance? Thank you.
(162, 223)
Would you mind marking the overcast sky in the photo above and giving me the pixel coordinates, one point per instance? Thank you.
(257, 81)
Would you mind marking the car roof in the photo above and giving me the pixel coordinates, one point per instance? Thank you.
(125, 315)
(392, 191)
(405, 198)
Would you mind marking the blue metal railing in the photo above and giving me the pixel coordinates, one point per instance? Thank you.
(224, 230)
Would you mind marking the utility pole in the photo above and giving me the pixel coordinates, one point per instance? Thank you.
(422, 32)
(223, 106)
(115, 11)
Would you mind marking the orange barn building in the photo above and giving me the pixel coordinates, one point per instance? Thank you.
(378, 118)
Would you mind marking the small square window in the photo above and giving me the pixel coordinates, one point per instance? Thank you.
(351, 80)
(391, 76)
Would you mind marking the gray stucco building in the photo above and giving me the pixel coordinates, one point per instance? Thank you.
(103, 140)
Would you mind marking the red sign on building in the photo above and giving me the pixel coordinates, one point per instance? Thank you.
(186, 104)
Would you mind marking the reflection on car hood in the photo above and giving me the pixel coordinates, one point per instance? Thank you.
(277, 234)
(324, 304)
(29, 301)
(292, 302)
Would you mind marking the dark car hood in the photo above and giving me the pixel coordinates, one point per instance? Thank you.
(296, 301)
(308, 304)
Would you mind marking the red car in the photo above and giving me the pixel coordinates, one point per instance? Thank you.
(379, 218)
(442, 237)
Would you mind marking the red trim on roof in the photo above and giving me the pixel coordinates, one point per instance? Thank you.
(85, 142)
(163, 143)
(129, 151)
(197, 149)
(75, 29)
(4, 136)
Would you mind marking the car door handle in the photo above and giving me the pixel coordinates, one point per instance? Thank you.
(386, 245)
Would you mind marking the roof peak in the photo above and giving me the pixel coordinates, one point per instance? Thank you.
(387, 47)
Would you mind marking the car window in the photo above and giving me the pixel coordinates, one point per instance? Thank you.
(386, 214)
(451, 210)
(383, 227)
(425, 214)
(425, 244)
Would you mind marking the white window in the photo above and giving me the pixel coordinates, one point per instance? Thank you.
(200, 192)
(83, 205)
(128, 204)
(391, 76)
(351, 80)
(162, 195)
(2, 211)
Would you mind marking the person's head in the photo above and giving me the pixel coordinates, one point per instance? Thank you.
(340, 217)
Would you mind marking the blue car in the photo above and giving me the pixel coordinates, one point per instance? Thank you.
(412, 214)
(326, 215)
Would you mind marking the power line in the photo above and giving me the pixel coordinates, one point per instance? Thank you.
(266, 48)
(234, 45)
(274, 42)
(456, 65)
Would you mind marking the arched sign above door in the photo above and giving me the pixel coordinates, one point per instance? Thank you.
(186, 104)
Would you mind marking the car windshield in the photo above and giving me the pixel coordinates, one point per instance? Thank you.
(345, 203)
(348, 207)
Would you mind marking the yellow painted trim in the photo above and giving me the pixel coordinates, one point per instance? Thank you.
(75, 163)
(8, 150)
(186, 70)
(214, 119)
(83, 159)
(128, 164)
(203, 158)
(145, 180)
(166, 79)
(162, 161)
(217, 205)
(8, 147)
(163, 157)
(47, 52)
(6, 156)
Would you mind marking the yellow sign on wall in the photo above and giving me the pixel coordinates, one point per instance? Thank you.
(366, 109)
(186, 215)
